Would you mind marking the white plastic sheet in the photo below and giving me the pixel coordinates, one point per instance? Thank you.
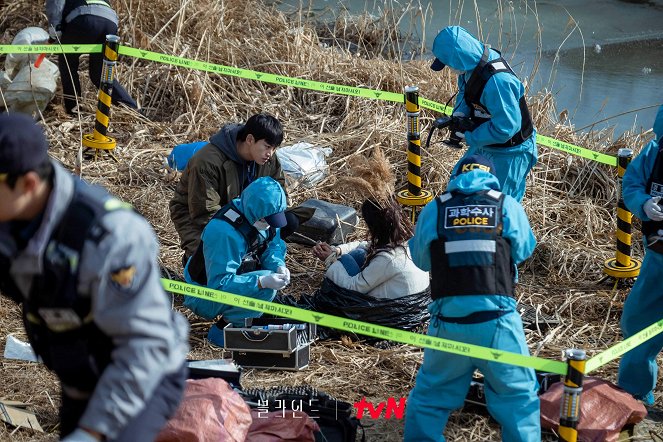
(28, 36)
(304, 163)
(17, 349)
(25, 88)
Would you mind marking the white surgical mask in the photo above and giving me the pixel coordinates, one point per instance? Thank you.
(261, 224)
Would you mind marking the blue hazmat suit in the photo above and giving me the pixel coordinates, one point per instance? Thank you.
(444, 378)
(224, 248)
(460, 50)
(638, 370)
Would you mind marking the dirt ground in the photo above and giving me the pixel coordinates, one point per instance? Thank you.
(570, 201)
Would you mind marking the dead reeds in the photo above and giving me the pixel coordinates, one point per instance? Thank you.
(570, 201)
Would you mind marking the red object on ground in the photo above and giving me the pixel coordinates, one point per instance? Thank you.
(40, 59)
(604, 410)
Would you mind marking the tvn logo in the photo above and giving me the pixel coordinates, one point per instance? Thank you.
(389, 408)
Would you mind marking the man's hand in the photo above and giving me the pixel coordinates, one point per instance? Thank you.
(652, 209)
(283, 270)
(81, 435)
(274, 281)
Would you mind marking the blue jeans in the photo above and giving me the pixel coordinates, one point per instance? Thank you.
(353, 261)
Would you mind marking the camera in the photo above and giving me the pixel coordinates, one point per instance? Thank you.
(454, 124)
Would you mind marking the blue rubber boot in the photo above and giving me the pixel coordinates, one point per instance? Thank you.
(647, 399)
(215, 335)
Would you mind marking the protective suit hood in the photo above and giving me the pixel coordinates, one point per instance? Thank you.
(261, 198)
(658, 124)
(457, 48)
(473, 181)
(226, 141)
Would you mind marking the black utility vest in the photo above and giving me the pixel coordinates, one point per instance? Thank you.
(70, 5)
(251, 260)
(470, 256)
(474, 89)
(57, 317)
(655, 188)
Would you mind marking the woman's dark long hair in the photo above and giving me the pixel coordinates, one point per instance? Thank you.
(388, 226)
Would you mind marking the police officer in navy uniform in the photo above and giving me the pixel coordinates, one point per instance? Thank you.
(83, 22)
(83, 266)
(642, 189)
(471, 238)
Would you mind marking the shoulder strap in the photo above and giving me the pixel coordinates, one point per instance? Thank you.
(230, 214)
(482, 73)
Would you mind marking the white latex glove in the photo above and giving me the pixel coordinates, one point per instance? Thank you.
(79, 435)
(652, 209)
(283, 270)
(274, 281)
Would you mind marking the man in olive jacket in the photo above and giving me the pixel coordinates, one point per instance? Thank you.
(219, 171)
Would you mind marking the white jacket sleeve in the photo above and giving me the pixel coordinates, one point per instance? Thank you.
(380, 269)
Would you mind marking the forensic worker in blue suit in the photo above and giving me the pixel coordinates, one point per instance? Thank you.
(241, 252)
(471, 238)
(493, 97)
(642, 191)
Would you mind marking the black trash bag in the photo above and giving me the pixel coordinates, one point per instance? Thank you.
(406, 313)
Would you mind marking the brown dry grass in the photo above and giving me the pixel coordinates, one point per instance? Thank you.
(570, 201)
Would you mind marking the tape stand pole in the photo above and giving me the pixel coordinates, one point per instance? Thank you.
(570, 409)
(98, 139)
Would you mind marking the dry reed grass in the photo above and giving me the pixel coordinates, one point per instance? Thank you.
(570, 201)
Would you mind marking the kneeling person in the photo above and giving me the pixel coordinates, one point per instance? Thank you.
(241, 251)
(471, 238)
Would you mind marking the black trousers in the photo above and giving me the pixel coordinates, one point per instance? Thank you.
(147, 424)
(87, 29)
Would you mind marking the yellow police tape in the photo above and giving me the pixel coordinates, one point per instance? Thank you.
(619, 349)
(364, 328)
(50, 49)
(289, 81)
(262, 76)
(576, 150)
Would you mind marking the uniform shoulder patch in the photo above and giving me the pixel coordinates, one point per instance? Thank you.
(123, 277)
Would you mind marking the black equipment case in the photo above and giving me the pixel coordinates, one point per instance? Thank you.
(331, 223)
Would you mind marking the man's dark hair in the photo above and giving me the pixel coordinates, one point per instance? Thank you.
(388, 226)
(44, 171)
(262, 127)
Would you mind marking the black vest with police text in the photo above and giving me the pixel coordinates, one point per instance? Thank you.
(57, 316)
(256, 243)
(474, 89)
(655, 188)
(470, 256)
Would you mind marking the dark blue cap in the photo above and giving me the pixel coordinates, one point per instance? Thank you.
(276, 219)
(473, 162)
(23, 145)
(437, 65)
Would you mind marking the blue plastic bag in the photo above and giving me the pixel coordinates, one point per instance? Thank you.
(181, 154)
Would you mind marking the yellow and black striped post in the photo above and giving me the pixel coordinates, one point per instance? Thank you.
(98, 139)
(414, 196)
(570, 410)
(622, 265)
